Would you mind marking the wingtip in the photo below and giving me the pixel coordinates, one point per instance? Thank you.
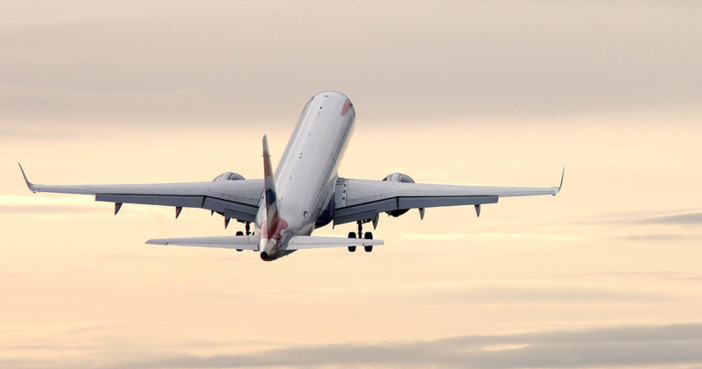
(30, 185)
(562, 177)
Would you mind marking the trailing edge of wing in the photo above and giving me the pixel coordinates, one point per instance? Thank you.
(233, 199)
(223, 242)
(315, 242)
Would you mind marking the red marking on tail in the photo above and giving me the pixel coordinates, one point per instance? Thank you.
(277, 225)
(347, 106)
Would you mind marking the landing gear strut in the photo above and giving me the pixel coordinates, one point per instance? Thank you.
(367, 236)
(247, 226)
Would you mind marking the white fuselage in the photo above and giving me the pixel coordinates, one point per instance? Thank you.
(306, 175)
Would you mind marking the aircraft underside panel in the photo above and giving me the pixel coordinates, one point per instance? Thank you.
(229, 209)
(370, 210)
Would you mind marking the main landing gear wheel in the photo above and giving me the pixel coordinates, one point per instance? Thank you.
(368, 236)
(239, 233)
(352, 248)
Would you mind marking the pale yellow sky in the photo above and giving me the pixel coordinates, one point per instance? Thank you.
(468, 93)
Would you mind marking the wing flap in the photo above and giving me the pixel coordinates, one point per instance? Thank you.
(167, 200)
(371, 209)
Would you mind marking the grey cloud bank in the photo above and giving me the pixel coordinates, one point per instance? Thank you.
(664, 346)
(470, 59)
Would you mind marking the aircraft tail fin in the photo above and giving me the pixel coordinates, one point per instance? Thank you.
(272, 225)
(271, 196)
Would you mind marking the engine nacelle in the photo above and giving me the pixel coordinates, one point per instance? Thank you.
(228, 176)
(398, 177)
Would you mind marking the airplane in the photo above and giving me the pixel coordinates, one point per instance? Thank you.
(303, 194)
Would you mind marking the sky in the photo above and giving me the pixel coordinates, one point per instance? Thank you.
(604, 275)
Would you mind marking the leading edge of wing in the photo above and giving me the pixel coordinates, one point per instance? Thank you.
(363, 191)
(217, 189)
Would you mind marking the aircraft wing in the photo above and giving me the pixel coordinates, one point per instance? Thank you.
(234, 199)
(364, 199)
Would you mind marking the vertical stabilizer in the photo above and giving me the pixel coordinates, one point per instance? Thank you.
(269, 185)
(272, 225)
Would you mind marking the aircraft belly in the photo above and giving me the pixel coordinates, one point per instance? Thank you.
(306, 175)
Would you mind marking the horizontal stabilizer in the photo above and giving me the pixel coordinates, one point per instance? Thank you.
(314, 242)
(222, 242)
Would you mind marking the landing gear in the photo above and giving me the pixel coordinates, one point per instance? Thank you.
(368, 236)
(352, 248)
(247, 226)
(239, 233)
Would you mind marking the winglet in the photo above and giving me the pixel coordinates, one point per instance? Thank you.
(30, 185)
(561, 185)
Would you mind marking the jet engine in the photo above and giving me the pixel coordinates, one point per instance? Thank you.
(398, 177)
(228, 176)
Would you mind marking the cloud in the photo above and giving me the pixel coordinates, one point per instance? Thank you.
(464, 236)
(537, 295)
(654, 237)
(665, 217)
(620, 346)
(61, 205)
(692, 218)
(631, 346)
(16, 133)
(45, 210)
(37, 206)
(668, 275)
(134, 257)
(484, 292)
(463, 58)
